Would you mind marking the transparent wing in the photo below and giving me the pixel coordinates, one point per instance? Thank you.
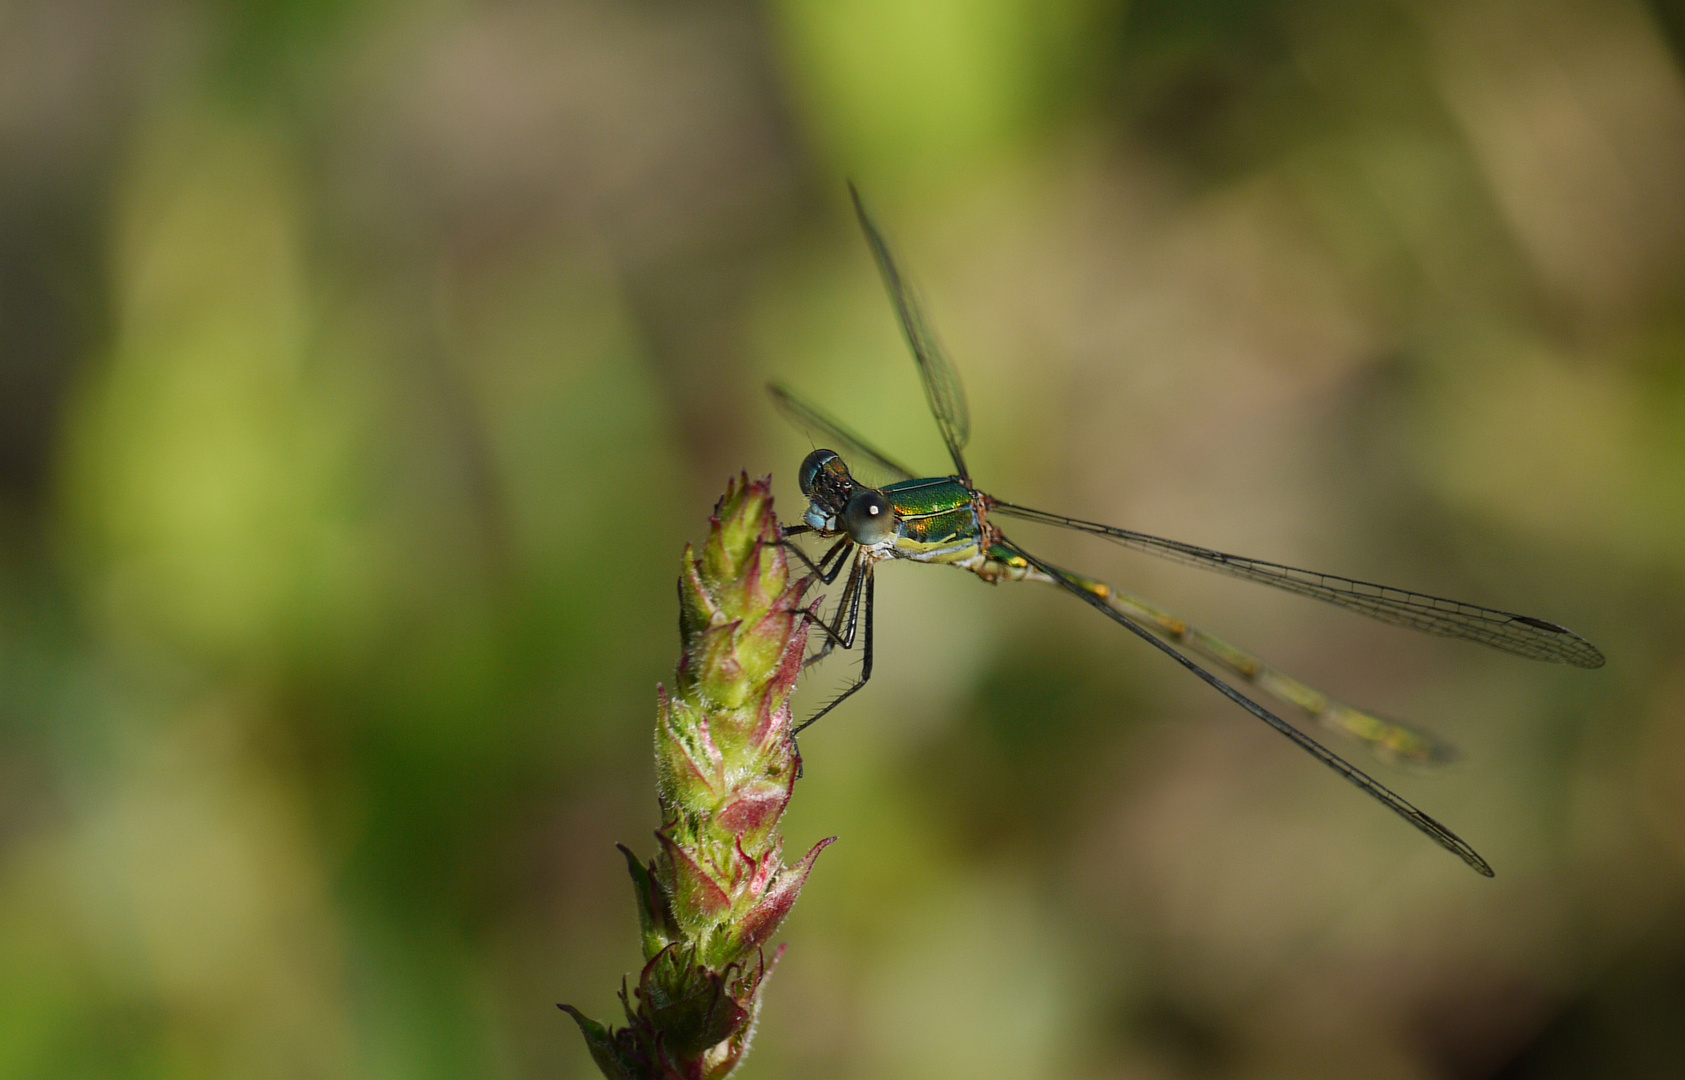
(851, 446)
(942, 386)
(1442, 836)
(1522, 635)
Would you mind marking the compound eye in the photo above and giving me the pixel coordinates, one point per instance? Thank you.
(868, 518)
(810, 469)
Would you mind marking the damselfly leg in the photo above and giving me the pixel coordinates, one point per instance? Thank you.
(861, 579)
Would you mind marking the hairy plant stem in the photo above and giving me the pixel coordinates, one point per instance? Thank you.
(726, 764)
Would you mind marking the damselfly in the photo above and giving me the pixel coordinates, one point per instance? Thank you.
(948, 520)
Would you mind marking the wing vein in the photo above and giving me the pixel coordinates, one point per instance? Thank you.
(942, 387)
(1521, 635)
(807, 415)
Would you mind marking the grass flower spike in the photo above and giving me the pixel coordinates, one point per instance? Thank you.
(726, 764)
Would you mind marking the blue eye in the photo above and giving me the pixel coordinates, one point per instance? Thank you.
(810, 469)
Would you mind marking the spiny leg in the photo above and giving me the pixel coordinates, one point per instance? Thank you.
(865, 649)
(787, 531)
(838, 551)
(1382, 794)
(817, 569)
(820, 571)
(848, 605)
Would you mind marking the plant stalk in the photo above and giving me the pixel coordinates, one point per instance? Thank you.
(717, 888)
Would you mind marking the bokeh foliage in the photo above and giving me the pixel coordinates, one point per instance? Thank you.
(365, 366)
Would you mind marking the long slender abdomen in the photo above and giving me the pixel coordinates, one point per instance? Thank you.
(1388, 739)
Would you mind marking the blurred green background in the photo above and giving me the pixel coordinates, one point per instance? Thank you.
(364, 367)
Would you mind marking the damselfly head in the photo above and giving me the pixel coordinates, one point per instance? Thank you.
(831, 491)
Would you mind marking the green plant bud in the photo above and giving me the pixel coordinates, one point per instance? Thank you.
(726, 767)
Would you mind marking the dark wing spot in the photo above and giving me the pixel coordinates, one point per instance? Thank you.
(1540, 624)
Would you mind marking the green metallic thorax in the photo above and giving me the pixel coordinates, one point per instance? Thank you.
(935, 520)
